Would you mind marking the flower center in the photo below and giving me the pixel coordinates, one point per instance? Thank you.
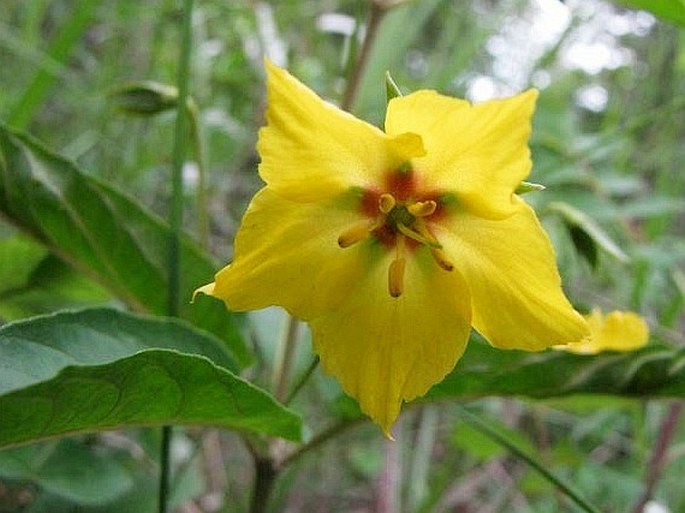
(398, 222)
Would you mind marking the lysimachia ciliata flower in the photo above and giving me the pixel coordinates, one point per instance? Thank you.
(615, 331)
(393, 243)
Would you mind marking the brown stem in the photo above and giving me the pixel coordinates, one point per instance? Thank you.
(659, 456)
(354, 82)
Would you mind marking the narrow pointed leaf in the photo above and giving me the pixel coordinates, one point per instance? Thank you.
(578, 221)
(105, 234)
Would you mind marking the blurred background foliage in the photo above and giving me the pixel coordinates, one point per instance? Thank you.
(607, 144)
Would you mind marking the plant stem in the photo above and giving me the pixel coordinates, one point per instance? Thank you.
(354, 83)
(175, 223)
(200, 196)
(164, 469)
(179, 154)
(302, 380)
(265, 477)
(659, 457)
(566, 488)
(284, 358)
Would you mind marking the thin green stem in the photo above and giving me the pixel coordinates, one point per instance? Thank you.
(179, 155)
(175, 222)
(566, 488)
(284, 357)
(201, 193)
(319, 440)
(302, 380)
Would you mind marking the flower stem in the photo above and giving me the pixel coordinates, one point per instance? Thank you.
(284, 357)
(175, 223)
(354, 83)
(659, 456)
(566, 488)
(198, 150)
(302, 380)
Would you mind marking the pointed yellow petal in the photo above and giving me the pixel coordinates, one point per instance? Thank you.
(511, 271)
(480, 153)
(312, 150)
(384, 350)
(617, 331)
(287, 254)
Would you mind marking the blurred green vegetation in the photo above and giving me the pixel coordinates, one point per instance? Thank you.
(608, 142)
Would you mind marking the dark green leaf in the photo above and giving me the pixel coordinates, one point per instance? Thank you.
(69, 469)
(580, 221)
(151, 388)
(583, 244)
(105, 234)
(654, 371)
(37, 349)
(145, 98)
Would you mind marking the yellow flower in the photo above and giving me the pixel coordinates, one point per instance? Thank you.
(392, 244)
(615, 331)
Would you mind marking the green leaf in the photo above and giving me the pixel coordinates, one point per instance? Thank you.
(34, 282)
(652, 372)
(19, 257)
(105, 234)
(94, 369)
(584, 244)
(37, 349)
(69, 469)
(151, 388)
(145, 98)
(592, 234)
(670, 10)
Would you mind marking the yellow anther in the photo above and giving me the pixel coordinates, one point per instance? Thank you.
(386, 203)
(422, 208)
(439, 256)
(356, 233)
(396, 277)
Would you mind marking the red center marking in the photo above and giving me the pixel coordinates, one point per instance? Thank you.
(402, 185)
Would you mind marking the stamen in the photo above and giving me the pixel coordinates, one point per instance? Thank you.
(422, 208)
(356, 233)
(386, 203)
(419, 233)
(396, 277)
(440, 258)
(414, 235)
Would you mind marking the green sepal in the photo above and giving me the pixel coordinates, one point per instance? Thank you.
(526, 187)
(392, 90)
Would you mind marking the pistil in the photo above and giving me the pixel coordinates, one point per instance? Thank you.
(399, 220)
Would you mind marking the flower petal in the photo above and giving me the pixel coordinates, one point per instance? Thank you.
(312, 150)
(480, 153)
(287, 254)
(617, 331)
(384, 350)
(516, 290)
